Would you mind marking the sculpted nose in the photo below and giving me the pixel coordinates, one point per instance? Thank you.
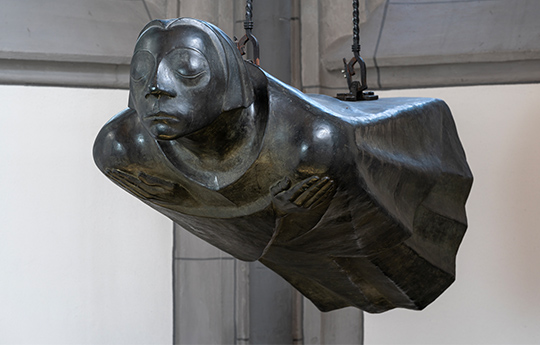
(159, 91)
(161, 85)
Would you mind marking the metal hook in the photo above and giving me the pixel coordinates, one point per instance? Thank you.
(248, 37)
(356, 88)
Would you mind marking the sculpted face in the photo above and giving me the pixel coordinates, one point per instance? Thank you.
(177, 81)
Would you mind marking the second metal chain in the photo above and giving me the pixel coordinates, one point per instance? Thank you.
(356, 88)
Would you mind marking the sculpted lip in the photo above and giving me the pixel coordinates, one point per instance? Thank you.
(161, 116)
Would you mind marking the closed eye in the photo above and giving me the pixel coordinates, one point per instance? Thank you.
(188, 63)
(142, 64)
(190, 76)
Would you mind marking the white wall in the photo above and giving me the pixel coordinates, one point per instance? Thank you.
(81, 261)
(496, 297)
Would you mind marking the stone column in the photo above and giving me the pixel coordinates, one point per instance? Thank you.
(204, 292)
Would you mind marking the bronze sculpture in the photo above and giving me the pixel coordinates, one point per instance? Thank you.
(355, 204)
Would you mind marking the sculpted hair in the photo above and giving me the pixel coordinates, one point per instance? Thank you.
(239, 92)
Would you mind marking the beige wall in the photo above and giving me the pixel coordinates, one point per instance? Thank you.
(496, 297)
(81, 261)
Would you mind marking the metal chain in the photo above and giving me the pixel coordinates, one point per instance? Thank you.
(356, 28)
(356, 88)
(248, 23)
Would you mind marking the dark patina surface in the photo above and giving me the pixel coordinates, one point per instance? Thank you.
(354, 203)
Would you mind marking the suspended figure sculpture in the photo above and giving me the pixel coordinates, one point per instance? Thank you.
(355, 204)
